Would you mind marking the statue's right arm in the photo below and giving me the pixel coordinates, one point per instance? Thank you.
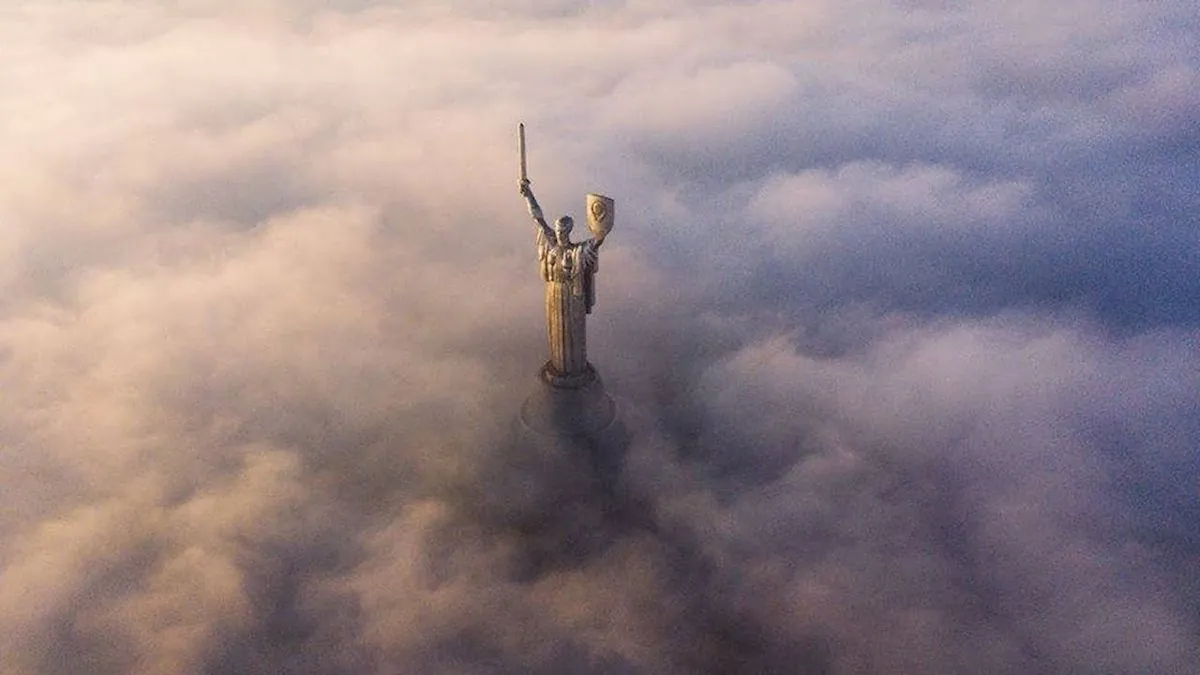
(535, 211)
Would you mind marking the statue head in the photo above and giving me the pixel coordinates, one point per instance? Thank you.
(562, 228)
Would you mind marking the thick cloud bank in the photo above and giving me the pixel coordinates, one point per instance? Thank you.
(902, 304)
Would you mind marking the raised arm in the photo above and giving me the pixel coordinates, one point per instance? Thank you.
(534, 210)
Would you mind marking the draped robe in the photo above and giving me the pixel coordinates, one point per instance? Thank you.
(568, 271)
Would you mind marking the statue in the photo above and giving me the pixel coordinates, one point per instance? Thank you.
(568, 269)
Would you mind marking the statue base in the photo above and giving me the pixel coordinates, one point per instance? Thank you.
(573, 405)
(557, 479)
(572, 416)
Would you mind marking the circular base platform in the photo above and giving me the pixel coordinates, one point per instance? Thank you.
(571, 406)
(571, 427)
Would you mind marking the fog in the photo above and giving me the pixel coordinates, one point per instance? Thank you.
(901, 307)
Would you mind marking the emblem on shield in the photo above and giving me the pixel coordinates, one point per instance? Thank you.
(599, 215)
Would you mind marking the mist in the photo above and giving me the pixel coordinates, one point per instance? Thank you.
(901, 309)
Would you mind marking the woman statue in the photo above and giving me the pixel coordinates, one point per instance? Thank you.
(567, 268)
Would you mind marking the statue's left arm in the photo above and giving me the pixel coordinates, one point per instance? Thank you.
(589, 252)
(589, 263)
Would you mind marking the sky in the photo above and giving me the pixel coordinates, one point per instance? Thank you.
(901, 308)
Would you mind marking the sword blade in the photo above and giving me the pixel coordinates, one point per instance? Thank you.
(521, 150)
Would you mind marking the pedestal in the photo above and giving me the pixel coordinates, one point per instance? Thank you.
(574, 418)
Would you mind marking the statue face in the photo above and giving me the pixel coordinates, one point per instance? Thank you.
(563, 226)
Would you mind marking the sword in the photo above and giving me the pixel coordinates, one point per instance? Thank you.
(521, 150)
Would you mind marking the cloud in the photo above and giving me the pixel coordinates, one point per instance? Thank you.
(900, 308)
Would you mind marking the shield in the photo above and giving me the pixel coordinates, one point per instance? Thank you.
(599, 215)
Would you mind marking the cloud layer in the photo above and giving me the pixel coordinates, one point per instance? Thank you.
(901, 307)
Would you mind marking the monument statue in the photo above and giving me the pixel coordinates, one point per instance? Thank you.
(568, 269)
(569, 421)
